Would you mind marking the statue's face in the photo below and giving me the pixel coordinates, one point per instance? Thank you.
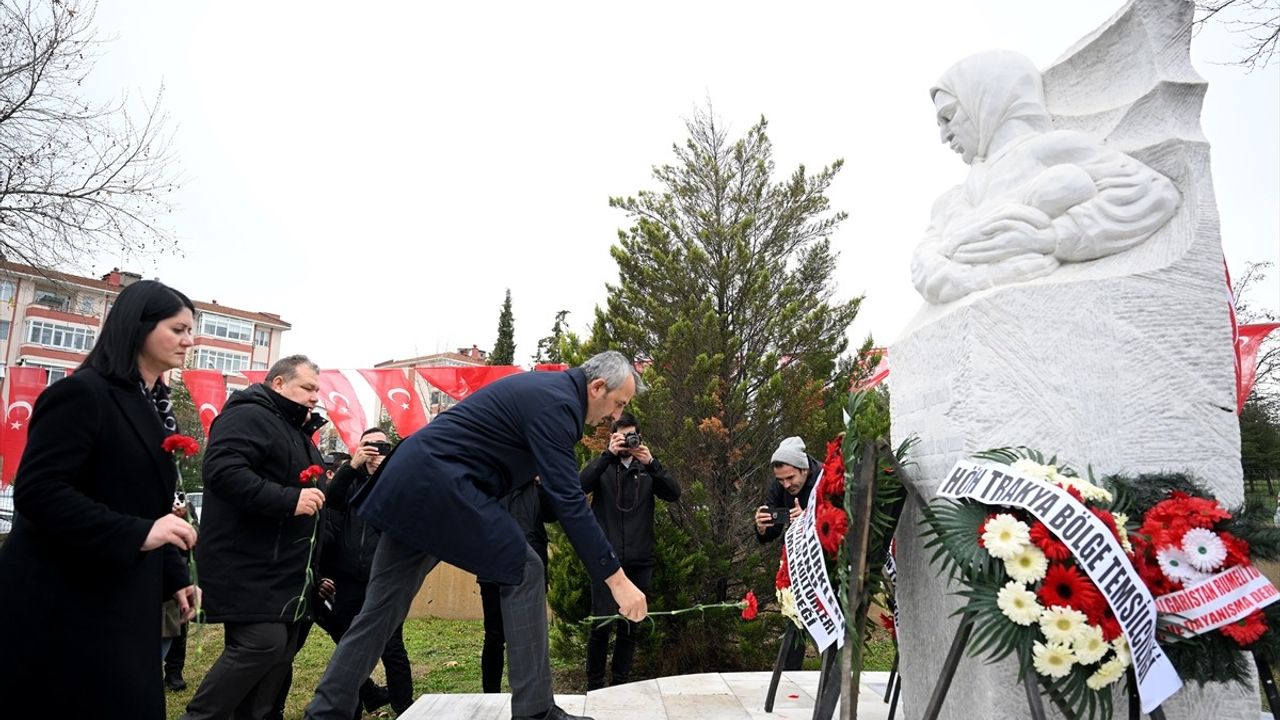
(955, 127)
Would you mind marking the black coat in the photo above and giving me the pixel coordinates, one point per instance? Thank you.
(349, 540)
(623, 503)
(79, 601)
(779, 497)
(253, 551)
(438, 491)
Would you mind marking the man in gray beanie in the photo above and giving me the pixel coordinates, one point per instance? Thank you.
(796, 472)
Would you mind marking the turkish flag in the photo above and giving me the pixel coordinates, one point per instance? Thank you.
(878, 373)
(208, 389)
(25, 384)
(459, 382)
(396, 391)
(254, 376)
(550, 367)
(1248, 339)
(343, 407)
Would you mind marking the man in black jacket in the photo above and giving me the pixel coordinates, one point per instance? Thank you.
(345, 560)
(624, 481)
(260, 510)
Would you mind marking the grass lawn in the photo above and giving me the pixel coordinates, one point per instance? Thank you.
(445, 655)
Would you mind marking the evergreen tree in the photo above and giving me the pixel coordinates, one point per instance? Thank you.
(504, 349)
(726, 294)
(549, 350)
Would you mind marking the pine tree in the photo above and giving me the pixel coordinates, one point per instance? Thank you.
(504, 348)
(726, 293)
(549, 347)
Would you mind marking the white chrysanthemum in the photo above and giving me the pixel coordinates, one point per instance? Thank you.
(1028, 566)
(1087, 490)
(1089, 646)
(1123, 654)
(1018, 604)
(1204, 549)
(787, 604)
(1176, 566)
(1062, 624)
(1121, 520)
(1005, 536)
(1053, 659)
(1031, 468)
(1110, 671)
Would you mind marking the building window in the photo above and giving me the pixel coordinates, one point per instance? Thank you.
(7, 291)
(86, 306)
(63, 337)
(221, 326)
(259, 366)
(4, 329)
(262, 337)
(55, 373)
(53, 300)
(227, 362)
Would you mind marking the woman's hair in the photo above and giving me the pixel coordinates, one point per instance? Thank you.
(136, 312)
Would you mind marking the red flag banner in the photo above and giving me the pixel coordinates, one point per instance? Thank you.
(25, 384)
(459, 382)
(1248, 339)
(208, 389)
(342, 405)
(878, 373)
(254, 376)
(550, 367)
(396, 391)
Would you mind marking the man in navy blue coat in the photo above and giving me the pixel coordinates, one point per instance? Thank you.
(436, 498)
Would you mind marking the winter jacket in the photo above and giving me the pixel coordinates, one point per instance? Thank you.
(623, 502)
(349, 540)
(779, 497)
(253, 551)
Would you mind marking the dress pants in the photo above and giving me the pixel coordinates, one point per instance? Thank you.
(246, 678)
(397, 574)
(624, 646)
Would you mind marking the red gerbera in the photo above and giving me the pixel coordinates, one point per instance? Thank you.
(1247, 629)
(1052, 547)
(982, 530)
(751, 607)
(1073, 492)
(1109, 623)
(308, 476)
(1237, 550)
(833, 482)
(833, 523)
(1066, 586)
(184, 444)
(783, 578)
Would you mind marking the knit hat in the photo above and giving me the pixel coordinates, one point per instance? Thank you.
(791, 451)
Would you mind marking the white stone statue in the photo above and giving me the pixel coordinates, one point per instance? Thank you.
(1035, 197)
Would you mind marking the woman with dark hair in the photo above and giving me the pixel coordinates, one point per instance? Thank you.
(95, 548)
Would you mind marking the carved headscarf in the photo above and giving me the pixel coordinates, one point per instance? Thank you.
(993, 88)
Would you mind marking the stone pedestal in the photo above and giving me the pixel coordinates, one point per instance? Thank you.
(1124, 363)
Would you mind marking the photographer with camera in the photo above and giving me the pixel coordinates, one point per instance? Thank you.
(624, 481)
(345, 560)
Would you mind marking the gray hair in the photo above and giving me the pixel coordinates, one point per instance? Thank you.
(613, 367)
(286, 368)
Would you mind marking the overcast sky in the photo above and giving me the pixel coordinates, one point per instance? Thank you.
(379, 173)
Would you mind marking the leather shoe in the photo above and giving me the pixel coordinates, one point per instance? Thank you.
(555, 713)
(175, 682)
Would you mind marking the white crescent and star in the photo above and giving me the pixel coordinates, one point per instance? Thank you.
(336, 394)
(209, 407)
(17, 424)
(391, 395)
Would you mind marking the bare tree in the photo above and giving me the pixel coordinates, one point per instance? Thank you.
(77, 177)
(1257, 21)
(1267, 385)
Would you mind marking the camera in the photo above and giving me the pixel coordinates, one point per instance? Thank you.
(382, 447)
(779, 516)
(179, 499)
(632, 439)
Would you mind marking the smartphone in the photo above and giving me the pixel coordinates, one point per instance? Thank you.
(779, 516)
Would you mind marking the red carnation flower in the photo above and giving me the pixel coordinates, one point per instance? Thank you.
(833, 523)
(1065, 585)
(783, 578)
(1247, 629)
(1052, 547)
(308, 476)
(887, 469)
(752, 608)
(886, 619)
(184, 444)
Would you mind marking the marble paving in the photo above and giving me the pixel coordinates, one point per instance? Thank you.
(707, 696)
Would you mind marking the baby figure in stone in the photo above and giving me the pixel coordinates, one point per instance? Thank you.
(1035, 197)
